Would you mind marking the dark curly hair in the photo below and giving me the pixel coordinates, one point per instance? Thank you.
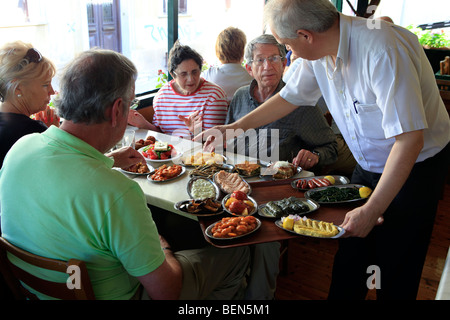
(180, 53)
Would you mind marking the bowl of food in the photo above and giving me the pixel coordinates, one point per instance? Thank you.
(239, 203)
(201, 188)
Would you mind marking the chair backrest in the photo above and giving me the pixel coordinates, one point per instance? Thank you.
(15, 276)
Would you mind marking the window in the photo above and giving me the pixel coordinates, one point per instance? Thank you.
(182, 7)
(208, 18)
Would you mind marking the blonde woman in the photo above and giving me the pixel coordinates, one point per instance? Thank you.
(230, 75)
(25, 89)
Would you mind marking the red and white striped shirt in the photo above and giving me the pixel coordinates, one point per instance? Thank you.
(210, 99)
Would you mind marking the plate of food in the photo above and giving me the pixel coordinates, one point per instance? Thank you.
(346, 193)
(287, 206)
(160, 152)
(233, 227)
(309, 183)
(208, 170)
(280, 170)
(166, 173)
(200, 188)
(309, 227)
(248, 169)
(202, 158)
(144, 142)
(201, 208)
(138, 169)
(239, 203)
(229, 182)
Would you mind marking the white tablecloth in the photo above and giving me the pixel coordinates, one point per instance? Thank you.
(165, 194)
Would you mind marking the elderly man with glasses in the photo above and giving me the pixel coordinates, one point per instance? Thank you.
(305, 138)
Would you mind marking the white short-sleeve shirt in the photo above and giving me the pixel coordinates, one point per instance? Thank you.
(381, 86)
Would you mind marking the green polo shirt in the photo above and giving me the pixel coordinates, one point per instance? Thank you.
(60, 198)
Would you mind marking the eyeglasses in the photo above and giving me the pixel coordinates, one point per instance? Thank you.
(185, 75)
(33, 56)
(134, 104)
(272, 59)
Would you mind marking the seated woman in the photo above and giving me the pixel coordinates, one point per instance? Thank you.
(25, 89)
(188, 103)
(230, 75)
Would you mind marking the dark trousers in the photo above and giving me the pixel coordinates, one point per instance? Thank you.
(398, 247)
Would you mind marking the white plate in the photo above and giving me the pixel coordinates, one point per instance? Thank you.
(279, 224)
(209, 234)
(149, 176)
(177, 156)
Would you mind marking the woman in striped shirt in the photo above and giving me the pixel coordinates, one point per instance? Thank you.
(188, 104)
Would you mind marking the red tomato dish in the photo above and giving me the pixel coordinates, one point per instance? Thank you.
(149, 152)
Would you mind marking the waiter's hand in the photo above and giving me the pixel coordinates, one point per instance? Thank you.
(360, 221)
(305, 159)
(212, 138)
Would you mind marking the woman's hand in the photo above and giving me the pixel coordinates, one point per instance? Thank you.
(126, 157)
(138, 120)
(194, 122)
(48, 116)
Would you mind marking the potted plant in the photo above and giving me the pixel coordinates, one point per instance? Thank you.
(435, 44)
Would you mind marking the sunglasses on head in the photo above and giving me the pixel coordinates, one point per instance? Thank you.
(33, 56)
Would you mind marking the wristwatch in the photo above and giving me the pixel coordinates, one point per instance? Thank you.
(317, 154)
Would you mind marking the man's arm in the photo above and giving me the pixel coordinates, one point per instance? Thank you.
(273, 109)
(166, 281)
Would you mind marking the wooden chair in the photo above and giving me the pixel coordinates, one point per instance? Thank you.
(15, 276)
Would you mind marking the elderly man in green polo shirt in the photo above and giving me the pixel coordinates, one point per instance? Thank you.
(60, 198)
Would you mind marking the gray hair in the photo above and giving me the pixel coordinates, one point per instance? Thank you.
(285, 17)
(263, 39)
(14, 69)
(91, 84)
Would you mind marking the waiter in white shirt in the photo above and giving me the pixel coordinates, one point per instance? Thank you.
(381, 92)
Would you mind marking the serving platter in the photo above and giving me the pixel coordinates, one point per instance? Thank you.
(310, 194)
(225, 192)
(208, 170)
(255, 206)
(150, 168)
(210, 235)
(218, 158)
(178, 206)
(194, 179)
(313, 206)
(339, 180)
(279, 224)
(271, 176)
(149, 176)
